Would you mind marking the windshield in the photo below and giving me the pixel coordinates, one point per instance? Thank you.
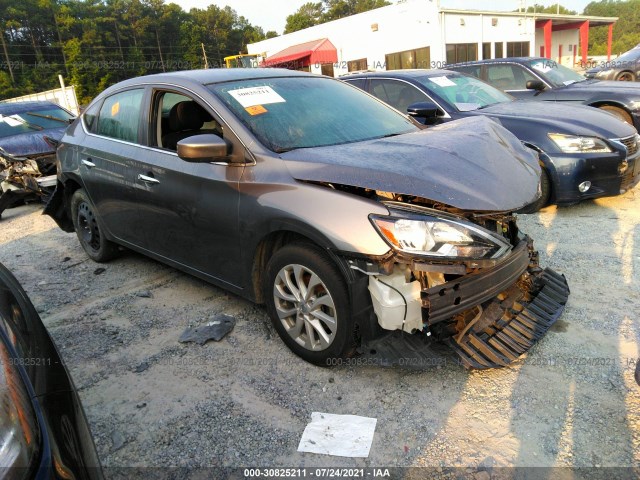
(34, 119)
(556, 74)
(302, 112)
(464, 93)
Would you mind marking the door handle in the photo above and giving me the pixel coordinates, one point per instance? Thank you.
(146, 179)
(87, 163)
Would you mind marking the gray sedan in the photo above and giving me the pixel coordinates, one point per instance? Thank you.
(354, 225)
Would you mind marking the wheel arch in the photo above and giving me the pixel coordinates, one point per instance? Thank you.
(278, 237)
(547, 164)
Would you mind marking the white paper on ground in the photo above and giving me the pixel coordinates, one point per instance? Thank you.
(339, 435)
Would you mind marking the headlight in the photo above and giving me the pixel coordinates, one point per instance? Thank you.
(604, 73)
(577, 144)
(19, 433)
(439, 237)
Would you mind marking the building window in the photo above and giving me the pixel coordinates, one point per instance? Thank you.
(327, 69)
(486, 50)
(418, 58)
(498, 50)
(462, 52)
(355, 65)
(517, 49)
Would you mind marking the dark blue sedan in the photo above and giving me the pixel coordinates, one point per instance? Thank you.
(586, 153)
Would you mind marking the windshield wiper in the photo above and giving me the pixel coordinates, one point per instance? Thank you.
(48, 117)
(24, 122)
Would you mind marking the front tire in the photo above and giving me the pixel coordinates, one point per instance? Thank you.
(308, 302)
(545, 189)
(89, 229)
(621, 113)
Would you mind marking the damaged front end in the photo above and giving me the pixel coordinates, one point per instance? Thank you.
(470, 280)
(25, 178)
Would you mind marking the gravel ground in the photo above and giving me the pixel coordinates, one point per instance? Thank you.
(246, 400)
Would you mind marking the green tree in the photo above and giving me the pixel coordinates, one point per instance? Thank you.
(311, 13)
(626, 31)
(335, 9)
(96, 43)
(306, 16)
(538, 8)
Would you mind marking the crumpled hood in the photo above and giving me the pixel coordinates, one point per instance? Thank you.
(561, 118)
(471, 164)
(32, 143)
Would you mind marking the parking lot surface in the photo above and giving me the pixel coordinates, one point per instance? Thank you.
(245, 401)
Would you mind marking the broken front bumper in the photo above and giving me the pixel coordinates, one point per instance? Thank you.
(512, 322)
(513, 304)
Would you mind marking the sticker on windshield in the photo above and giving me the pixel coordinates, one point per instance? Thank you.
(13, 121)
(256, 110)
(442, 81)
(249, 97)
(467, 107)
(115, 108)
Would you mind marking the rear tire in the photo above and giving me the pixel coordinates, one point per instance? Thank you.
(626, 77)
(545, 188)
(89, 229)
(308, 302)
(621, 113)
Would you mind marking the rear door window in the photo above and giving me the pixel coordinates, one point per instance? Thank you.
(397, 94)
(473, 70)
(120, 115)
(508, 77)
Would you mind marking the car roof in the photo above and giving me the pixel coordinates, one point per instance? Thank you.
(11, 108)
(500, 60)
(215, 75)
(408, 73)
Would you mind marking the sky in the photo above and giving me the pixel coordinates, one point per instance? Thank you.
(272, 14)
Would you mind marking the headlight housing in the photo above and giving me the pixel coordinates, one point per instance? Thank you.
(604, 73)
(444, 237)
(579, 144)
(19, 432)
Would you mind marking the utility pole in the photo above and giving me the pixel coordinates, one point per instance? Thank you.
(160, 51)
(204, 54)
(6, 56)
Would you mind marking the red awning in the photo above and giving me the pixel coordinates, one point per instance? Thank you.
(305, 54)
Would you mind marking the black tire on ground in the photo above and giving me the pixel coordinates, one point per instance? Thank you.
(626, 76)
(88, 228)
(545, 188)
(317, 326)
(621, 113)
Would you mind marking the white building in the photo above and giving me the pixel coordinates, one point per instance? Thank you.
(420, 34)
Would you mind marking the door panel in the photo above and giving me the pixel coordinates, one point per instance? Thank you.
(107, 160)
(189, 213)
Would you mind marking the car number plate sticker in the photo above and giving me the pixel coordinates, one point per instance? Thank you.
(249, 97)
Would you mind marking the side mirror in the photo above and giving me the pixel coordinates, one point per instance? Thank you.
(428, 111)
(203, 148)
(537, 85)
